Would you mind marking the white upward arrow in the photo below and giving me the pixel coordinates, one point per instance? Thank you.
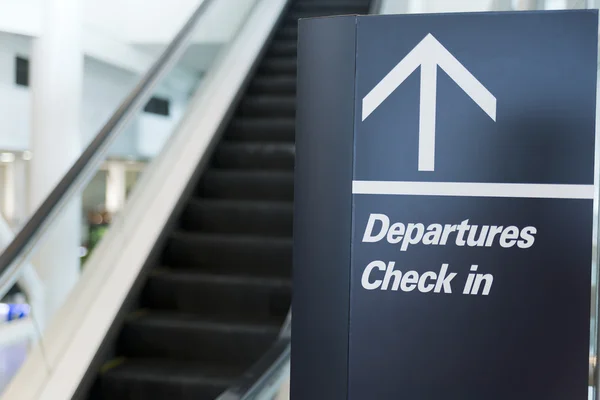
(428, 54)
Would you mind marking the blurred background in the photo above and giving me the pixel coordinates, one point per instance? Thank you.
(69, 72)
(119, 41)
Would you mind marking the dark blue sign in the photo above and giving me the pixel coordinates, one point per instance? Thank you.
(465, 206)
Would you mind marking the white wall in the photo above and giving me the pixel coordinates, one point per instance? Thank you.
(21, 16)
(135, 21)
(14, 100)
(150, 21)
(105, 27)
(153, 131)
(117, 19)
(104, 88)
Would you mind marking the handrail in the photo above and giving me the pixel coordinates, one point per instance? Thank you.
(266, 372)
(90, 159)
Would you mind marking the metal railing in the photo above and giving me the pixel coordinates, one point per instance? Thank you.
(265, 377)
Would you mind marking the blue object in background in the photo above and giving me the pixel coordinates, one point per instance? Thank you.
(11, 312)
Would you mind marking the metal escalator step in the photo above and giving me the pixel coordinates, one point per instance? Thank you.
(177, 336)
(255, 155)
(287, 31)
(265, 218)
(283, 48)
(234, 254)
(262, 129)
(267, 105)
(262, 298)
(160, 379)
(278, 65)
(247, 185)
(274, 85)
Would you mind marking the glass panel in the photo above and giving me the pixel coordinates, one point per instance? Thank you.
(14, 193)
(131, 178)
(119, 50)
(276, 387)
(94, 216)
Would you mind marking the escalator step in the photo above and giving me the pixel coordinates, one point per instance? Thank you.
(189, 337)
(212, 294)
(256, 155)
(287, 31)
(273, 85)
(145, 379)
(265, 106)
(278, 65)
(262, 129)
(283, 48)
(238, 217)
(230, 253)
(247, 185)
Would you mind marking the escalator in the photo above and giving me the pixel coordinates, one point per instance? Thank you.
(221, 290)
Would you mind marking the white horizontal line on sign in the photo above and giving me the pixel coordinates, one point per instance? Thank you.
(524, 190)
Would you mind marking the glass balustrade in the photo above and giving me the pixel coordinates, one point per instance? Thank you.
(120, 48)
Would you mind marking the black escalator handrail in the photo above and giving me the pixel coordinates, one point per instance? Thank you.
(90, 159)
(266, 373)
